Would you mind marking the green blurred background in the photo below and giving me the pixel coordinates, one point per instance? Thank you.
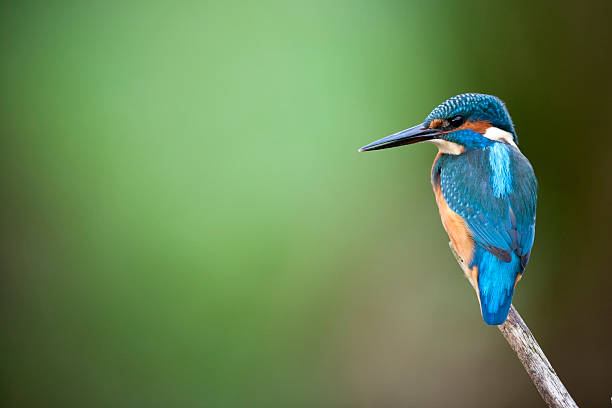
(187, 222)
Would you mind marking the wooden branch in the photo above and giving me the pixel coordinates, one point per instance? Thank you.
(528, 351)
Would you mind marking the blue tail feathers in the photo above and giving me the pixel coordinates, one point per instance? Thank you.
(496, 285)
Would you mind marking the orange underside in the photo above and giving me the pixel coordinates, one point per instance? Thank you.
(458, 232)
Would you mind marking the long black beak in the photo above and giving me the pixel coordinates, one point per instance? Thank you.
(415, 134)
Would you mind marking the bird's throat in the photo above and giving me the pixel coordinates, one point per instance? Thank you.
(446, 147)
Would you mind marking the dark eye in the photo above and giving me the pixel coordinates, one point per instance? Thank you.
(457, 121)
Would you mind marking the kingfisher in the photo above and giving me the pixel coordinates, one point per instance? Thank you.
(485, 189)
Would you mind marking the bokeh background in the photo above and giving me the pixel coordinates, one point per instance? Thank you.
(187, 222)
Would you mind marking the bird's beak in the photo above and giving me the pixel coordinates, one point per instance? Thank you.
(415, 134)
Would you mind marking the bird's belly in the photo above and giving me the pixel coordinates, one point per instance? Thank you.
(456, 228)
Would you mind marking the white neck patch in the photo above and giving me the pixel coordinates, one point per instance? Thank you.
(444, 146)
(494, 133)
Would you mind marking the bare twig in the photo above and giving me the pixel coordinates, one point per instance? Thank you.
(528, 351)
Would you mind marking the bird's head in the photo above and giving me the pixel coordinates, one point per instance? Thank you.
(463, 122)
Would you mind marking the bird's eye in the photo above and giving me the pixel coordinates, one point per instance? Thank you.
(457, 121)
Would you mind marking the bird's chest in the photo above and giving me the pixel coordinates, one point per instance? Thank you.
(468, 186)
(454, 223)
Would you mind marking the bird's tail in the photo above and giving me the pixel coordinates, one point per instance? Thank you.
(496, 280)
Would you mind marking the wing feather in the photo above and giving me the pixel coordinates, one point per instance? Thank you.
(499, 224)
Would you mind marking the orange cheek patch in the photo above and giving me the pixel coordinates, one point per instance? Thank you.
(480, 126)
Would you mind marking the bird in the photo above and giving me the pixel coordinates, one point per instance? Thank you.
(485, 189)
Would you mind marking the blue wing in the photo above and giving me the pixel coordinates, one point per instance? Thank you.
(501, 223)
(495, 191)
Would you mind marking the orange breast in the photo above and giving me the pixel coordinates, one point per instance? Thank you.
(457, 231)
(455, 227)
